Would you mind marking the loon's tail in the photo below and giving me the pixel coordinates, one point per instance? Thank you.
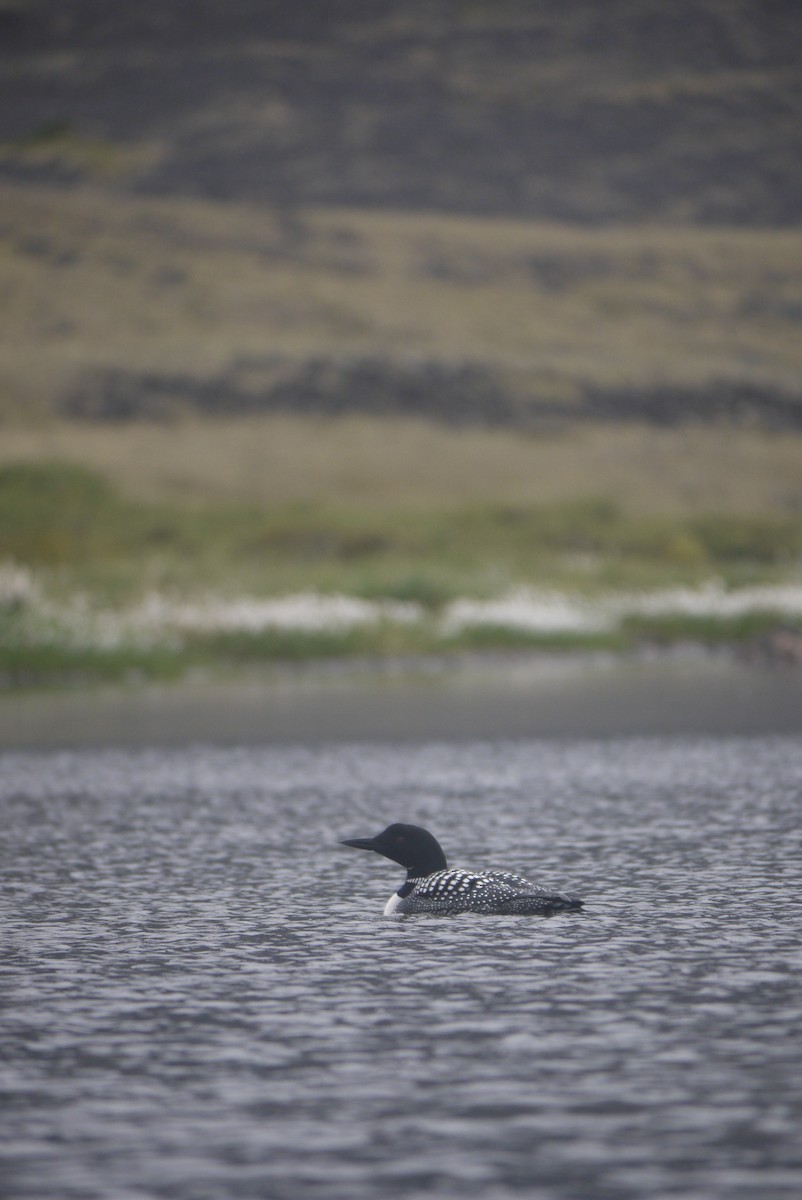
(538, 904)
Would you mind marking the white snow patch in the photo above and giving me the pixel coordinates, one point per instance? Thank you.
(712, 600)
(164, 620)
(548, 612)
(305, 612)
(531, 611)
(17, 586)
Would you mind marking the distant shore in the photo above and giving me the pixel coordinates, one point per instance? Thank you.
(682, 691)
(68, 642)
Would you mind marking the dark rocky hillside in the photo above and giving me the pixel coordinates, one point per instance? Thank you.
(628, 110)
(464, 395)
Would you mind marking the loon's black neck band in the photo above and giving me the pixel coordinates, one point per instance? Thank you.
(406, 887)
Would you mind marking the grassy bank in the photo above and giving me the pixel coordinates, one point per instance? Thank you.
(79, 529)
(208, 405)
(98, 584)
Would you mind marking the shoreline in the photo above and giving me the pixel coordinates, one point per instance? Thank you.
(48, 642)
(680, 690)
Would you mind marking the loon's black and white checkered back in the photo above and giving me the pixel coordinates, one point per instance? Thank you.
(493, 892)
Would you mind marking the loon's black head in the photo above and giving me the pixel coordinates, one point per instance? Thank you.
(412, 847)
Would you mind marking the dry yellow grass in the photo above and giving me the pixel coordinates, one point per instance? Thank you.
(93, 279)
(96, 280)
(400, 463)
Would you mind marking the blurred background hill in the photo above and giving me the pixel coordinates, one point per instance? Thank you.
(403, 206)
(531, 268)
(630, 110)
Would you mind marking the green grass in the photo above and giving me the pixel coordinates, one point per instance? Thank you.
(59, 513)
(75, 525)
(705, 630)
(82, 538)
(26, 661)
(30, 665)
(83, 533)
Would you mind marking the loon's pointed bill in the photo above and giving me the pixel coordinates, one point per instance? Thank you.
(430, 887)
(360, 843)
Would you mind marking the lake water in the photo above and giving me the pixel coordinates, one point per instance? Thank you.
(202, 1001)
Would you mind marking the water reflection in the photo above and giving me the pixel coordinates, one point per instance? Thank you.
(680, 692)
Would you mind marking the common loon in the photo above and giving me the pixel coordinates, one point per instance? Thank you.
(432, 887)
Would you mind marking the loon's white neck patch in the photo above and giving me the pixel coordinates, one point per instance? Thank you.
(391, 907)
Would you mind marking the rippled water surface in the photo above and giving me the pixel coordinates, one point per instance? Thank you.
(203, 1001)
